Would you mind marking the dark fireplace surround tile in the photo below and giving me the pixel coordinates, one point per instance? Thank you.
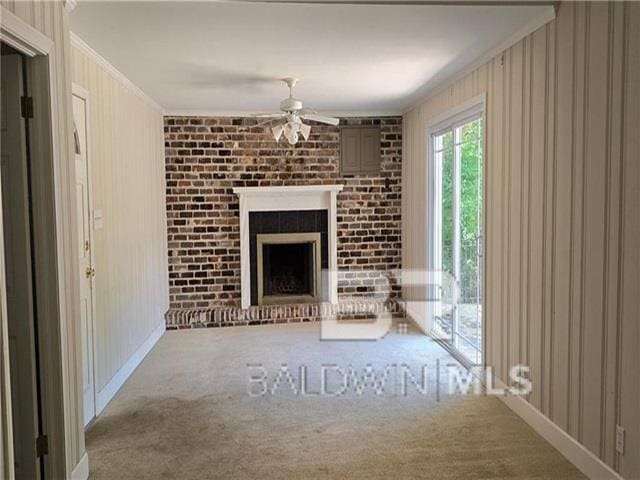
(285, 221)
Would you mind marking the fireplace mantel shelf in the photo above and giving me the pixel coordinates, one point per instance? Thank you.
(285, 189)
(281, 198)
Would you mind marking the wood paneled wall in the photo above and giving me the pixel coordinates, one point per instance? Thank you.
(562, 222)
(126, 157)
(51, 19)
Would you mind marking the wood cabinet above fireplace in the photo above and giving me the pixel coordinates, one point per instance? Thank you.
(359, 150)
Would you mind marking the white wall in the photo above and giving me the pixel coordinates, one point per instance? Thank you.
(126, 157)
(562, 223)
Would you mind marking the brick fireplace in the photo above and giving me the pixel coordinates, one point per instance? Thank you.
(208, 158)
(267, 211)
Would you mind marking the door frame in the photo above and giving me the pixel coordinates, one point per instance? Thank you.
(52, 244)
(83, 93)
(6, 422)
(470, 108)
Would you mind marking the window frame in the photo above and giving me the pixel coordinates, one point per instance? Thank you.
(466, 112)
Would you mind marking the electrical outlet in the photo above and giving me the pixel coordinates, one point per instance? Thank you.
(619, 439)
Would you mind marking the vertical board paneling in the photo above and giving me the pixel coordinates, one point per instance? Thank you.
(9, 5)
(494, 236)
(525, 191)
(51, 19)
(612, 231)
(548, 216)
(628, 394)
(127, 179)
(489, 338)
(594, 208)
(577, 254)
(506, 196)
(516, 111)
(563, 183)
(562, 225)
(24, 10)
(537, 135)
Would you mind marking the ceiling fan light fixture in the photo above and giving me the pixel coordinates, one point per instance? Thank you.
(277, 132)
(288, 121)
(293, 138)
(291, 133)
(305, 130)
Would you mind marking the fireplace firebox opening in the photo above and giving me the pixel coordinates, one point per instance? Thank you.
(288, 268)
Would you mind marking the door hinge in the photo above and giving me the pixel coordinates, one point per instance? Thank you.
(42, 446)
(620, 439)
(26, 105)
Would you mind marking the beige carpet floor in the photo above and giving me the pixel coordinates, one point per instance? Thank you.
(186, 413)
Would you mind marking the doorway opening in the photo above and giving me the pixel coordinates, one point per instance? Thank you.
(33, 402)
(19, 272)
(458, 211)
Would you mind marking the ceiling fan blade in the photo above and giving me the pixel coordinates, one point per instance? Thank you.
(268, 115)
(321, 119)
(267, 121)
(264, 122)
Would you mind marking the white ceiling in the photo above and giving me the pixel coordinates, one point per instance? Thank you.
(225, 58)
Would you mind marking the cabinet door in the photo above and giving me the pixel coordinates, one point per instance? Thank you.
(349, 150)
(370, 150)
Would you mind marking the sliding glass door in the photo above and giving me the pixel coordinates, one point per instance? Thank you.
(458, 172)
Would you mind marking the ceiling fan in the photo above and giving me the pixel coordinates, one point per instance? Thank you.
(288, 121)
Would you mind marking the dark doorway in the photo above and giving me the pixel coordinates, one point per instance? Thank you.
(29, 446)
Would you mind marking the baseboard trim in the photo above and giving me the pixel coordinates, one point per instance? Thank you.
(105, 395)
(81, 470)
(574, 451)
(415, 315)
(569, 447)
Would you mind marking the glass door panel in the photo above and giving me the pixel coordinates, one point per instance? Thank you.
(443, 152)
(459, 165)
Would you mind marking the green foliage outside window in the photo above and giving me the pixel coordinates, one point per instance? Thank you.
(470, 206)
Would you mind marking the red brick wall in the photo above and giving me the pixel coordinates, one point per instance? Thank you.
(207, 157)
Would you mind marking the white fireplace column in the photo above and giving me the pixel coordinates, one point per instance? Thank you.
(304, 197)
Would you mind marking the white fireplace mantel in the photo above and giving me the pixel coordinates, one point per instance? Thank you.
(298, 197)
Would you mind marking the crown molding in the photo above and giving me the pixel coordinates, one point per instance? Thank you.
(534, 24)
(178, 112)
(446, 3)
(113, 71)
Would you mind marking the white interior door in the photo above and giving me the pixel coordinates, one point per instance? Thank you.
(86, 271)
